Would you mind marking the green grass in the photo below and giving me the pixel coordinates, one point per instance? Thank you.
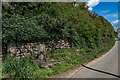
(0, 72)
(69, 60)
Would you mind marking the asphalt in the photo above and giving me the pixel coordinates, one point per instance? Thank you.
(104, 67)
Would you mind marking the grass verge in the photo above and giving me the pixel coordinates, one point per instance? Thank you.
(26, 68)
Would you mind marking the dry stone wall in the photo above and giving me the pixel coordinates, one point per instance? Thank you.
(19, 48)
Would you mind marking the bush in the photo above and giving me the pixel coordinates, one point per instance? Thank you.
(82, 29)
(17, 28)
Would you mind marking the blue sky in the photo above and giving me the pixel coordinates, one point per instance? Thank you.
(109, 10)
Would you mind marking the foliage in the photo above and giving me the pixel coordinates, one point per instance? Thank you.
(46, 21)
(92, 34)
(18, 68)
(116, 34)
(26, 68)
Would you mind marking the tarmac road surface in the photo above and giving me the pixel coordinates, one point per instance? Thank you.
(104, 67)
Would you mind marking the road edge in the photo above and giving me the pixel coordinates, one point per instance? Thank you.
(71, 73)
(96, 59)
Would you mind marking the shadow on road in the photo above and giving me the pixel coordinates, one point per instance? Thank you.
(102, 71)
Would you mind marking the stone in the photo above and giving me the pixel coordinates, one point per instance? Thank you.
(31, 50)
(22, 47)
(41, 56)
(61, 47)
(67, 43)
(26, 50)
(25, 54)
(33, 47)
(58, 41)
(18, 51)
(31, 44)
(35, 52)
(62, 40)
(22, 50)
(17, 55)
(39, 43)
(35, 44)
(63, 43)
(37, 47)
(57, 46)
(42, 48)
(28, 46)
(52, 41)
(11, 54)
(11, 47)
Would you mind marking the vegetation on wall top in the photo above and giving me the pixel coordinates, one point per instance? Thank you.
(44, 21)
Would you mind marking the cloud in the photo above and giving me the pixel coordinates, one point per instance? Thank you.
(90, 8)
(116, 21)
(92, 3)
(115, 15)
(115, 27)
(112, 15)
(105, 11)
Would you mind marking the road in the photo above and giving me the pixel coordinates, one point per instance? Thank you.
(104, 67)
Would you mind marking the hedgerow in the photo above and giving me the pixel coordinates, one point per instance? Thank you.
(46, 21)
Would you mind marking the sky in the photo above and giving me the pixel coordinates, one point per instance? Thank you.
(109, 10)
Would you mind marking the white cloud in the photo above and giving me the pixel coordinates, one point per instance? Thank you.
(105, 11)
(115, 28)
(112, 15)
(92, 3)
(116, 21)
(115, 15)
(90, 8)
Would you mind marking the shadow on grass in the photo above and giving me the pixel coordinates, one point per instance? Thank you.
(102, 71)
